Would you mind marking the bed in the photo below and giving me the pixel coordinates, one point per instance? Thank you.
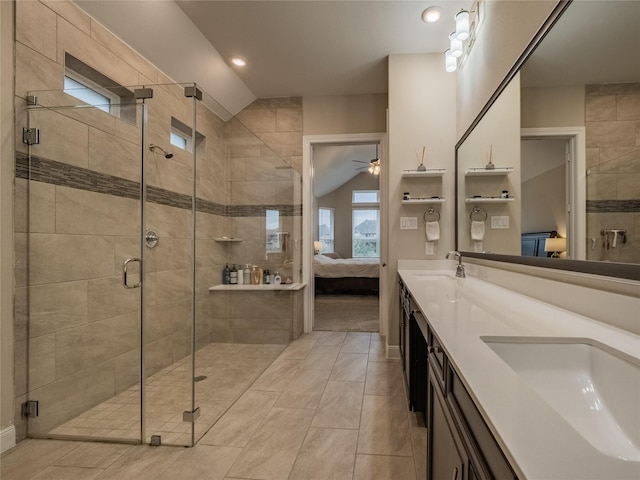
(346, 275)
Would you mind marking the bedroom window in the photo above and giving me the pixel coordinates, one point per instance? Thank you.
(366, 233)
(365, 223)
(325, 230)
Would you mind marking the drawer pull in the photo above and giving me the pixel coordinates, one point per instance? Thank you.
(455, 474)
(435, 349)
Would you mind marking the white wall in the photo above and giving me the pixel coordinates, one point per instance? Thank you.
(422, 99)
(498, 132)
(6, 224)
(505, 31)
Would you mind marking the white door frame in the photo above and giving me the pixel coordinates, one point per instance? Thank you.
(577, 180)
(308, 215)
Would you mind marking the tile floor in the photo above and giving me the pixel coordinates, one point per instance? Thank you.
(226, 370)
(330, 406)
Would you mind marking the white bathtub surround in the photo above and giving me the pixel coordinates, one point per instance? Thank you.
(535, 434)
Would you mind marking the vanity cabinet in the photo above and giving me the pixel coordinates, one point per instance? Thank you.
(460, 444)
(413, 336)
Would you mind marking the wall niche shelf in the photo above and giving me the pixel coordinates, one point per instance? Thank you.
(479, 172)
(227, 239)
(429, 172)
(419, 201)
(489, 200)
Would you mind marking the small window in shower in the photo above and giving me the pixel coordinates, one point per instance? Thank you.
(181, 135)
(97, 90)
(274, 235)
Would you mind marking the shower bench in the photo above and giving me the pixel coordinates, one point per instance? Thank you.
(267, 314)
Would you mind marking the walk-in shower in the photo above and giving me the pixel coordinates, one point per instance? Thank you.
(120, 341)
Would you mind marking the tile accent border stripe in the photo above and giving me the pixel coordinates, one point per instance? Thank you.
(58, 173)
(613, 206)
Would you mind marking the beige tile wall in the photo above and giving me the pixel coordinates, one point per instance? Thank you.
(613, 163)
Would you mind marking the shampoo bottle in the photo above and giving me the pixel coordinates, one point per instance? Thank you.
(226, 275)
(247, 274)
(233, 275)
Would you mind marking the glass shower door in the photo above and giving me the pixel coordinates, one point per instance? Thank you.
(78, 212)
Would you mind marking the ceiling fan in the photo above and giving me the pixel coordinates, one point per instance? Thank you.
(373, 165)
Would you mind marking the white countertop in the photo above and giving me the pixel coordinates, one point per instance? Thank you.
(261, 287)
(538, 441)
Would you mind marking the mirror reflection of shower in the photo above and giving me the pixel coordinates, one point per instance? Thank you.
(167, 154)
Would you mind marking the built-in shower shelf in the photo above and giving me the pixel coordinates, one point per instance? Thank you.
(262, 287)
(228, 239)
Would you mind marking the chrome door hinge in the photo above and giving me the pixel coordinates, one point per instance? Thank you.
(188, 416)
(31, 136)
(30, 409)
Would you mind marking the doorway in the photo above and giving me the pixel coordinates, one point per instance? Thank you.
(553, 185)
(344, 212)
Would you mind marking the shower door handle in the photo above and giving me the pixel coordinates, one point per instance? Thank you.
(124, 273)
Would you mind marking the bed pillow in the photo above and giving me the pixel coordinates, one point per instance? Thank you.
(333, 255)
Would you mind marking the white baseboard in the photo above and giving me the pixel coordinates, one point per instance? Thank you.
(7, 438)
(393, 351)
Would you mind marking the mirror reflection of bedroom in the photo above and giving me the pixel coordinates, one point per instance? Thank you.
(346, 262)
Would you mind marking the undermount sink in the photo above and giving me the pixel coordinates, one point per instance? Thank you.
(593, 387)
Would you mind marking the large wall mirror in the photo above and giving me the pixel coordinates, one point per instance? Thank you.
(549, 173)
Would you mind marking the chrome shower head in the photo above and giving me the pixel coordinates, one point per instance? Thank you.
(152, 147)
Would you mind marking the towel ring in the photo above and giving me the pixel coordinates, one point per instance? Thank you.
(478, 211)
(431, 215)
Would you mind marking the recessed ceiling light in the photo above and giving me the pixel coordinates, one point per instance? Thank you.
(432, 14)
(238, 61)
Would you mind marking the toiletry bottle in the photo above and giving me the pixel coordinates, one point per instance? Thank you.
(233, 275)
(277, 279)
(226, 275)
(267, 277)
(240, 275)
(247, 274)
(255, 276)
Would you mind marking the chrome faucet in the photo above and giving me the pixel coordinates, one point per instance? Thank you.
(460, 267)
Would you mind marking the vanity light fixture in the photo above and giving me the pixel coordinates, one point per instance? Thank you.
(455, 45)
(431, 14)
(450, 63)
(462, 40)
(239, 61)
(463, 25)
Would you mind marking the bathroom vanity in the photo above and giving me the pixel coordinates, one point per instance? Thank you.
(513, 387)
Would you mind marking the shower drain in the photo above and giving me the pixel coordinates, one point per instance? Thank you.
(199, 378)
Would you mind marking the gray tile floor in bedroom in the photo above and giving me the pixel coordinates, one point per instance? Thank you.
(330, 406)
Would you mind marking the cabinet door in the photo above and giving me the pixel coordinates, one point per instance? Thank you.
(446, 456)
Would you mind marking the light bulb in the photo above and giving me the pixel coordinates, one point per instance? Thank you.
(456, 45)
(462, 25)
(376, 169)
(370, 169)
(450, 63)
